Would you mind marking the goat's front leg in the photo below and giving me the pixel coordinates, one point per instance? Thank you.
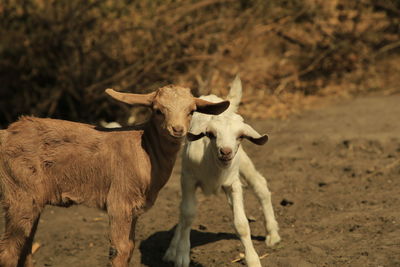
(179, 249)
(170, 254)
(122, 238)
(234, 194)
(260, 188)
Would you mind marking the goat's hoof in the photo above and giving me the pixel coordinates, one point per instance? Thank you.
(182, 260)
(169, 256)
(254, 262)
(272, 239)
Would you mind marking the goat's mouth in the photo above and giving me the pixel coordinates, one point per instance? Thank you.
(225, 160)
(177, 136)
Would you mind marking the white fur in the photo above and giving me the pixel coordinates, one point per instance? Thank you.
(110, 125)
(201, 167)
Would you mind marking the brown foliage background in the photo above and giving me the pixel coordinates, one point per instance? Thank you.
(57, 57)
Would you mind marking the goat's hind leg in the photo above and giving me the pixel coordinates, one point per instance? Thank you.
(29, 242)
(21, 220)
(260, 188)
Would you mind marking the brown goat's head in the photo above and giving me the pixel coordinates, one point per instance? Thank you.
(172, 107)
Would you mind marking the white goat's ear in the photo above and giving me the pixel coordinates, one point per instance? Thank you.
(193, 137)
(235, 94)
(132, 99)
(252, 135)
(207, 107)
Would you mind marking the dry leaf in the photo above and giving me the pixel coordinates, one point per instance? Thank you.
(241, 257)
(264, 256)
(35, 247)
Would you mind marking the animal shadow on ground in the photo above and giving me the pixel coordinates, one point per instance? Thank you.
(153, 248)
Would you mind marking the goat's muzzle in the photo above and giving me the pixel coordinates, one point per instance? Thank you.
(225, 155)
(177, 131)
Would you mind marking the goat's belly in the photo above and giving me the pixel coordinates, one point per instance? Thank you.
(90, 197)
(209, 189)
(68, 199)
(210, 182)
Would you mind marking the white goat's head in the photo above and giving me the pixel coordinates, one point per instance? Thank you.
(227, 130)
(172, 106)
(225, 133)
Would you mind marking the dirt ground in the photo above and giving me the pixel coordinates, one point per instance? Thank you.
(334, 173)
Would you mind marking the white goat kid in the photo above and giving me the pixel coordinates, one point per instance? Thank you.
(217, 162)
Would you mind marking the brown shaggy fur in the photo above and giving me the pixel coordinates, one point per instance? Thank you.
(56, 162)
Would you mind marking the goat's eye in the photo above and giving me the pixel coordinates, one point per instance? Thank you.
(158, 112)
(240, 137)
(210, 135)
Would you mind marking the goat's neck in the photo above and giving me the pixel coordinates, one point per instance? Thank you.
(162, 151)
(162, 145)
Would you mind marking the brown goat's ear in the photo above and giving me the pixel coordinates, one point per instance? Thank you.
(193, 137)
(207, 107)
(254, 137)
(132, 99)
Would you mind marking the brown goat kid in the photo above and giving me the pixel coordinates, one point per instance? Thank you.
(56, 162)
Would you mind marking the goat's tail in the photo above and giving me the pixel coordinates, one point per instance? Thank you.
(2, 134)
(235, 94)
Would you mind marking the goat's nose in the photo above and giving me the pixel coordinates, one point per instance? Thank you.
(178, 129)
(225, 151)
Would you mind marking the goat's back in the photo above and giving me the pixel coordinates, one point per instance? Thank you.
(65, 161)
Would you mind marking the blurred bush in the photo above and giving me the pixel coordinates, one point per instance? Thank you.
(58, 56)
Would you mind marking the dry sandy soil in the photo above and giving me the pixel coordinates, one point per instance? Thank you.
(334, 174)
